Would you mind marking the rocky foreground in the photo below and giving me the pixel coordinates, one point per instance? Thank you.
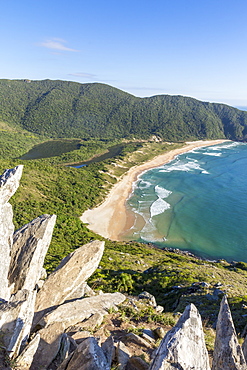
(59, 322)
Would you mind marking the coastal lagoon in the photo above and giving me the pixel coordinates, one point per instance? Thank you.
(197, 202)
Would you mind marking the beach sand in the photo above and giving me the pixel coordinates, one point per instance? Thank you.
(110, 219)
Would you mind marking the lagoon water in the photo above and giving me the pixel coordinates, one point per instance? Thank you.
(197, 202)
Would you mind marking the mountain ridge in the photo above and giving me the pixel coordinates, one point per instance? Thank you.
(56, 108)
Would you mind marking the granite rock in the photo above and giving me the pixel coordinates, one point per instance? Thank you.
(30, 245)
(9, 183)
(69, 277)
(227, 351)
(183, 347)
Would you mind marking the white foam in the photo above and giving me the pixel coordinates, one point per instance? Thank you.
(158, 207)
(148, 233)
(213, 154)
(194, 151)
(162, 192)
(182, 166)
(225, 146)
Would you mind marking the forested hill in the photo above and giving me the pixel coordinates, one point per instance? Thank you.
(69, 109)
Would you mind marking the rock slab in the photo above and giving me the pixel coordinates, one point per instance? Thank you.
(30, 245)
(76, 311)
(69, 277)
(9, 183)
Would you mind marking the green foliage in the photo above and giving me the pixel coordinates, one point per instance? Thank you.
(68, 109)
(146, 314)
(63, 191)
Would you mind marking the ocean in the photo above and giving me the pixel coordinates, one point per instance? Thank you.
(197, 202)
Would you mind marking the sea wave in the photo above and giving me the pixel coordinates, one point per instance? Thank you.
(162, 192)
(158, 206)
(149, 233)
(229, 145)
(180, 165)
(213, 154)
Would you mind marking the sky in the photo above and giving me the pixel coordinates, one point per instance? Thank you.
(194, 48)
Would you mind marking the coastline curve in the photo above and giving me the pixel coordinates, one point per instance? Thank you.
(110, 219)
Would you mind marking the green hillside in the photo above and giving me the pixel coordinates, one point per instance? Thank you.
(69, 109)
(174, 278)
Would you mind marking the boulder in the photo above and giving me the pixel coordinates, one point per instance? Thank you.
(183, 347)
(227, 351)
(160, 332)
(76, 311)
(149, 298)
(9, 183)
(88, 356)
(16, 319)
(69, 277)
(30, 244)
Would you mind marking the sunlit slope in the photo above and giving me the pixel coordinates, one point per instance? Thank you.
(69, 109)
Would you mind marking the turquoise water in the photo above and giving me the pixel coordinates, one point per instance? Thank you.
(197, 203)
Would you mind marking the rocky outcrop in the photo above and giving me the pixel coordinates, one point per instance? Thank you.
(30, 245)
(55, 323)
(183, 347)
(227, 351)
(9, 183)
(63, 313)
(68, 280)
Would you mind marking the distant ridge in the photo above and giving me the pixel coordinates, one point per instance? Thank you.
(70, 109)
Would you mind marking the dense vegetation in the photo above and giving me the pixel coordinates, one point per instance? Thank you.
(69, 109)
(47, 186)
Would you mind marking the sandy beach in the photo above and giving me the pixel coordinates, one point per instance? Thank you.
(111, 219)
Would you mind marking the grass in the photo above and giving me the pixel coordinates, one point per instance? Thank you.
(174, 279)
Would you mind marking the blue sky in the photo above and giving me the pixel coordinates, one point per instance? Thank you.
(194, 48)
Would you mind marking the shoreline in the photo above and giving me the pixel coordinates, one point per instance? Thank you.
(111, 219)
